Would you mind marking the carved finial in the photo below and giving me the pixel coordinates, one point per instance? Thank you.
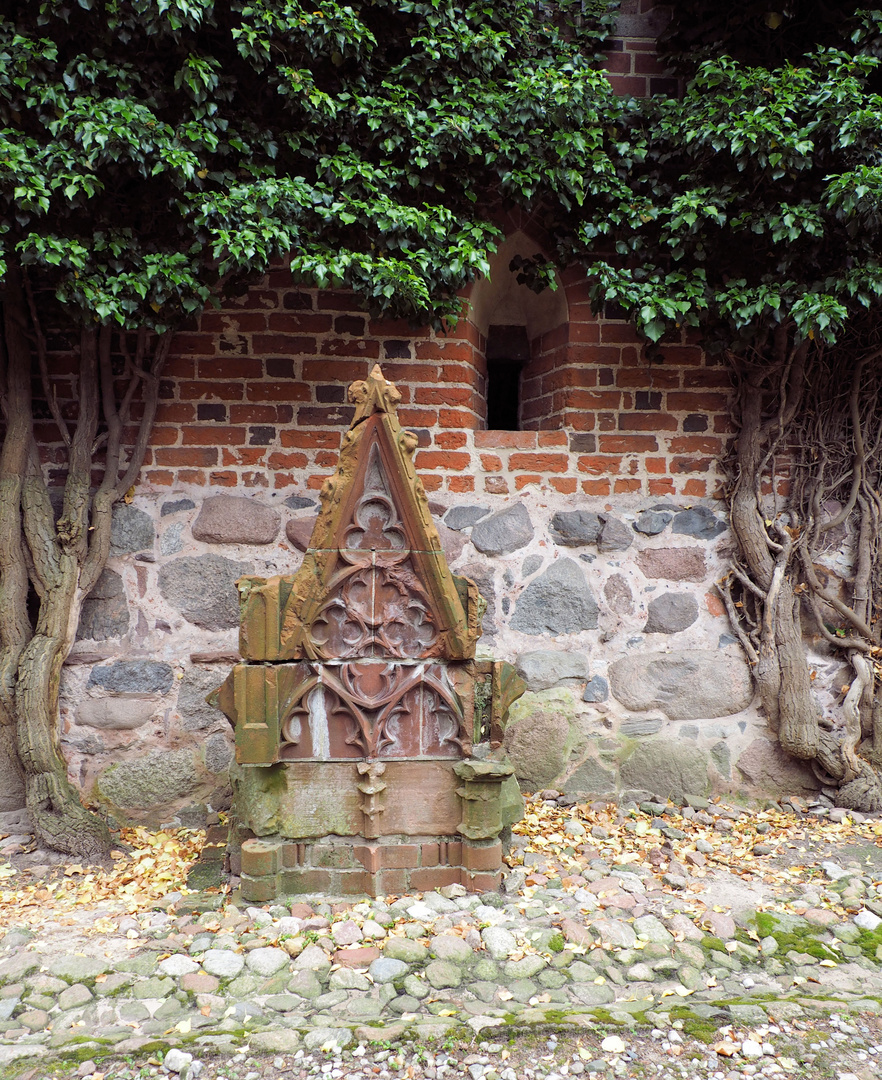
(374, 394)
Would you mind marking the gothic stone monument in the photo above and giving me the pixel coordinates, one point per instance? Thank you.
(368, 738)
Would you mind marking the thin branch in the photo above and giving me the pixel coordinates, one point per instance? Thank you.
(724, 590)
(43, 364)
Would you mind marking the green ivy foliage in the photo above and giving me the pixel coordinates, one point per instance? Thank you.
(759, 203)
(152, 152)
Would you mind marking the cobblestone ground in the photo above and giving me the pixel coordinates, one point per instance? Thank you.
(639, 942)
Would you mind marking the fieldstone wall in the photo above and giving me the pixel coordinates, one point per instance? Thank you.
(609, 612)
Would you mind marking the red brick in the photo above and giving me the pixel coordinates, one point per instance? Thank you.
(498, 440)
(424, 418)
(193, 344)
(556, 463)
(223, 479)
(196, 391)
(654, 379)
(436, 877)
(174, 412)
(566, 485)
(695, 444)
(163, 436)
(240, 321)
(459, 373)
(431, 482)
(600, 466)
(398, 372)
(553, 438)
(365, 347)
(314, 483)
(444, 351)
(589, 331)
(593, 399)
(326, 459)
(287, 461)
(496, 485)
(619, 62)
(160, 478)
(685, 464)
(482, 858)
(709, 403)
(457, 418)
(213, 435)
(245, 455)
(444, 395)
(310, 439)
(655, 465)
(622, 486)
(709, 377)
(526, 479)
(661, 487)
(491, 463)
(682, 355)
(283, 345)
(651, 421)
(480, 883)
(337, 371)
(442, 459)
(230, 367)
(461, 483)
(628, 85)
(596, 487)
(253, 414)
(626, 444)
(399, 856)
(186, 455)
(695, 487)
(192, 476)
(450, 440)
(299, 322)
(430, 855)
(255, 479)
(278, 391)
(336, 300)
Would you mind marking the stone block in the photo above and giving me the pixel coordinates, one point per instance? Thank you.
(559, 601)
(574, 528)
(203, 589)
(614, 536)
(105, 611)
(698, 521)
(765, 765)
(669, 769)
(463, 517)
(547, 667)
(590, 778)
(261, 857)
(692, 684)
(503, 532)
(115, 713)
(153, 781)
(133, 677)
(618, 595)
(231, 519)
(483, 858)
(671, 613)
(673, 564)
(131, 530)
(198, 682)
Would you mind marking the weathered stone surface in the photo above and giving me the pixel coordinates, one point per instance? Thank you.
(673, 564)
(131, 530)
(452, 542)
(196, 684)
(483, 578)
(618, 594)
(636, 726)
(155, 780)
(299, 502)
(573, 528)
(690, 684)
(596, 689)
(231, 519)
(772, 770)
(652, 522)
(134, 677)
(299, 532)
(671, 613)
(171, 541)
(218, 753)
(559, 601)
(668, 769)
(266, 961)
(546, 668)
(614, 536)
(699, 522)
(503, 532)
(537, 745)
(722, 758)
(590, 778)
(462, 517)
(175, 506)
(530, 565)
(203, 589)
(105, 612)
(115, 713)
(222, 963)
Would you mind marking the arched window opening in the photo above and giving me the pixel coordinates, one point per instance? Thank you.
(520, 345)
(508, 350)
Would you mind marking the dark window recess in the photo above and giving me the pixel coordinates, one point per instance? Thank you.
(508, 349)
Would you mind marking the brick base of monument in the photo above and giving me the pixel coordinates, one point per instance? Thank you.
(273, 866)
